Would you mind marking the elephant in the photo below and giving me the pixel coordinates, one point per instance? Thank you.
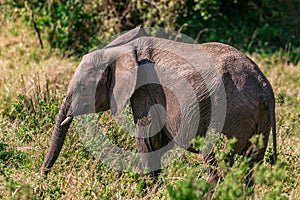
(177, 91)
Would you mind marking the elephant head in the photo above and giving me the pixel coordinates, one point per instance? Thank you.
(97, 85)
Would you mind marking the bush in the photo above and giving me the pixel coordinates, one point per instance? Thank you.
(232, 183)
(74, 26)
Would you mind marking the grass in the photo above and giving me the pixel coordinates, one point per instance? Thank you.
(33, 82)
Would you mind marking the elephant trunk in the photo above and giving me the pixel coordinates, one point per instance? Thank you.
(62, 125)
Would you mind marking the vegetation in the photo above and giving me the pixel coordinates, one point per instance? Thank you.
(33, 82)
(255, 25)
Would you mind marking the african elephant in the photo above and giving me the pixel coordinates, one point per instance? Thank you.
(177, 91)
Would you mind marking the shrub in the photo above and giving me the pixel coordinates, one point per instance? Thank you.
(74, 26)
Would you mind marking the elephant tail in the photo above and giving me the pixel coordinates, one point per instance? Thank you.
(273, 126)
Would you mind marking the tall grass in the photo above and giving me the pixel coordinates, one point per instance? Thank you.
(32, 85)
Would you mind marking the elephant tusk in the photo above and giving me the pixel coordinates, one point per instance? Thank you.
(67, 120)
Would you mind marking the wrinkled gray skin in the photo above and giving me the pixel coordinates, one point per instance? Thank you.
(118, 72)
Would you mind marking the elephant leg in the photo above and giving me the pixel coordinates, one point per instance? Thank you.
(151, 146)
(257, 151)
(256, 155)
(150, 161)
(151, 150)
(213, 171)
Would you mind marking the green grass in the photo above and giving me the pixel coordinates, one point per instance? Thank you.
(32, 85)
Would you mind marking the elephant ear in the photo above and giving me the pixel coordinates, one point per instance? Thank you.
(124, 81)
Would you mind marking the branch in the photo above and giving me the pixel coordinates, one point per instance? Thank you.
(37, 31)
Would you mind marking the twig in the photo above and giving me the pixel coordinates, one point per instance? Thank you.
(37, 32)
(199, 34)
(182, 26)
(252, 38)
(16, 191)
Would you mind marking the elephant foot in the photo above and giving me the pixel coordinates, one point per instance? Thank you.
(150, 169)
(44, 172)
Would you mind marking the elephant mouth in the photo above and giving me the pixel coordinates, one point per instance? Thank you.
(67, 120)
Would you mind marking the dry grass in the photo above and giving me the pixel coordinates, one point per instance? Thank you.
(23, 63)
